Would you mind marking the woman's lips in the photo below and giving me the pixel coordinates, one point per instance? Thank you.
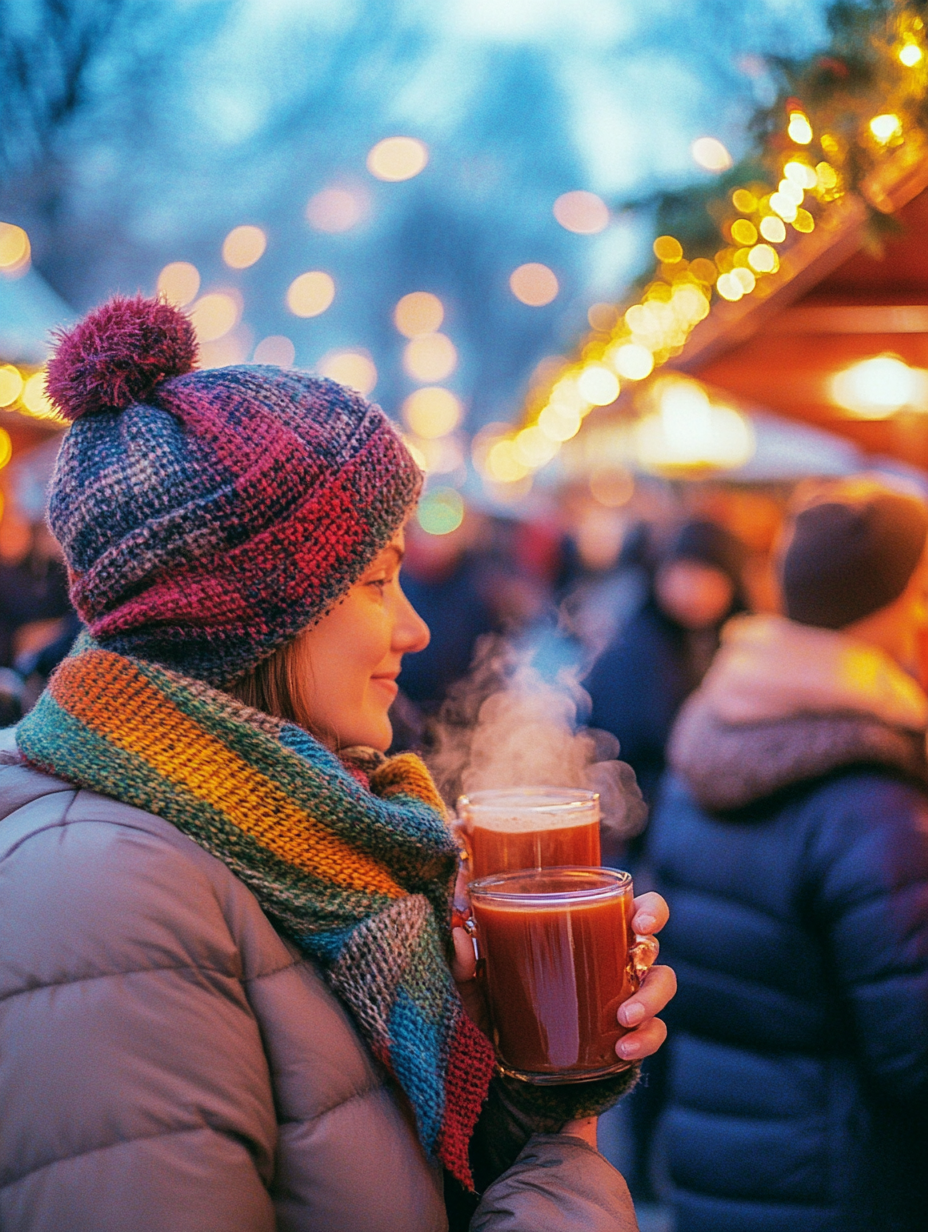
(388, 683)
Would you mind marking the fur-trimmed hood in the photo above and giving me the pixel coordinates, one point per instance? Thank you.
(784, 703)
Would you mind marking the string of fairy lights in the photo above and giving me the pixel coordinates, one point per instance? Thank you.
(813, 155)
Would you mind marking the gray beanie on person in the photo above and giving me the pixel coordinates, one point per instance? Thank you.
(850, 552)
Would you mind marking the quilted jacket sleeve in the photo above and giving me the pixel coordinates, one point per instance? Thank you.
(558, 1184)
(867, 870)
(133, 1085)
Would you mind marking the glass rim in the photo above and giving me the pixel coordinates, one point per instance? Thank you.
(560, 799)
(612, 880)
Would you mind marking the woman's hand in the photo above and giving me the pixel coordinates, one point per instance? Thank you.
(639, 1012)
(657, 988)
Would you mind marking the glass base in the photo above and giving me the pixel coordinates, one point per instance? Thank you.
(563, 1077)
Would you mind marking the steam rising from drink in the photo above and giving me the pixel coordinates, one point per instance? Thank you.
(505, 725)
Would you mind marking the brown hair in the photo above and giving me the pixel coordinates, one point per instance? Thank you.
(277, 686)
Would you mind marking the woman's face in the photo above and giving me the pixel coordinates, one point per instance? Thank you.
(352, 657)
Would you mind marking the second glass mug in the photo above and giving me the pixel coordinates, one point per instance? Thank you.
(529, 827)
(557, 957)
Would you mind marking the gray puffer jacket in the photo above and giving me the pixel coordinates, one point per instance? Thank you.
(168, 1063)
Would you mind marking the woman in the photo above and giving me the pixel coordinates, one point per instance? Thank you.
(227, 1001)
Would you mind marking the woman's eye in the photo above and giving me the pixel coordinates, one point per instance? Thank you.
(378, 582)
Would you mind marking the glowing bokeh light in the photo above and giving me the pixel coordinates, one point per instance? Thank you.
(910, 54)
(581, 212)
(743, 232)
(179, 282)
(534, 284)
(440, 511)
(559, 423)
(310, 294)
(534, 448)
(397, 158)
(783, 206)
(826, 177)
(879, 387)
(804, 221)
(230, 348)
(355, 369)
(243, 246)
(11, 384)
(763, 259)
(611, 487)
(710, 154)
(632, 360)
(6, 447)
(431, 357)
(337, 209)
(729, 287)
(598, 385)
(432, 412)
(773, 229)
(886, 127)
(35, 399)
(799, 128)
(689, 432)
(214, 314)
(668, 249)
(744, 201)
(275, 349)
(503, 464)
(15, 249)
(418, 313)
(801, 174)
(602, 317)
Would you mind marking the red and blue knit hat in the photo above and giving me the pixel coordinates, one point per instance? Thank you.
(208, 516)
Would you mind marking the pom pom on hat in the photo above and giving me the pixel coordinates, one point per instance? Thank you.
(118, 354)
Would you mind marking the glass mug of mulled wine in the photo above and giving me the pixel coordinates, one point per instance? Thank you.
(557, 957)
(529, 827)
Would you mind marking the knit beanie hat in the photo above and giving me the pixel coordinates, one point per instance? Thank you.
(207, 517)
(851, 552)
(710, 544)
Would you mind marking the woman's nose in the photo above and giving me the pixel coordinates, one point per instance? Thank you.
(410, 633)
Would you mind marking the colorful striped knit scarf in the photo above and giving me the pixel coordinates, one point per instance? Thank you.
(360, 879)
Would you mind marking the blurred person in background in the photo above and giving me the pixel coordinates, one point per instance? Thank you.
(791, 840)
(660, 654)
(233, 999)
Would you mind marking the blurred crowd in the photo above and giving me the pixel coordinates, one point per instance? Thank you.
(758, 656)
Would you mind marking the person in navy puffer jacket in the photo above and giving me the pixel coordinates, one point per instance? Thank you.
(791, 842)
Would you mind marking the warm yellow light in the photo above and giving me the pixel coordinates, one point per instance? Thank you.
(336, 209)
(598, 385)
(213, 315)
(243, 246)
(534, 448)
(689, 432)
(581, 212)
(799, 128)
(763, 259)
(14, 248)
(355, 369)
(310, 293)
(11, 384)
(876, 388)
(886, 127)
(689, 304)
(179, 282)
(729, 287)
(6, 447)
(534, 284)
(418, 453)
(430, 358)
(418, 313)
(632, 360)
(790, 191)
(783, 206)
(710, 154)
(558, 422)
(35, 399)
(911, 54)
(826, 177)
(502, 463)
(743, 232)
(804, 221)
(745, 278)
(744, 201)
(668, 249)
(276, 349)
(432, 412)
(800, 174)
(773, 229)
(397, 158)
(231, 348)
